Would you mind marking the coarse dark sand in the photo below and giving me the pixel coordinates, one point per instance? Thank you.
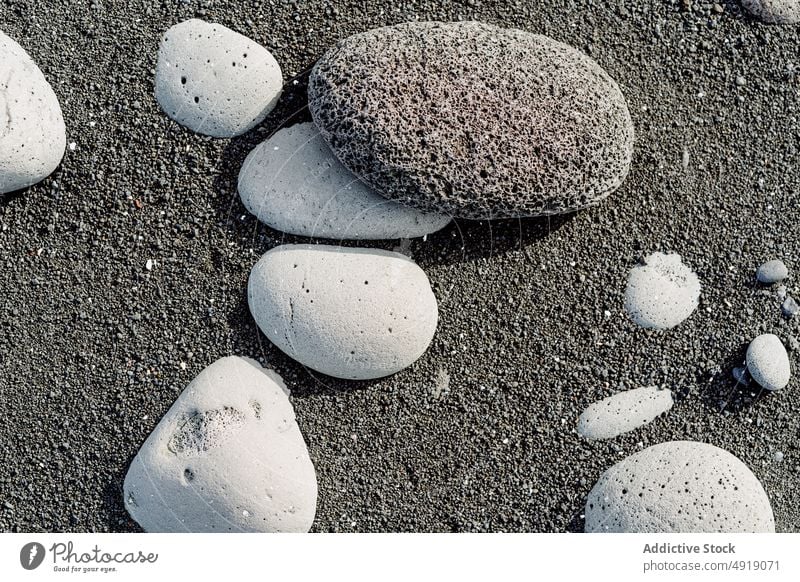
(479, 434)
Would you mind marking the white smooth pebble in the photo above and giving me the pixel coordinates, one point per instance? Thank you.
(623, 412)
(768, 362)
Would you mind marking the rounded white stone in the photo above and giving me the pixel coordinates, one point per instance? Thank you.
(679, 487)
(661, 293)
(345, 312)
(773, 271)
(227, 457)
(215, 81)
(32, 132)
(293, 183)
(768, 362)
(623, 412)
(774, 11)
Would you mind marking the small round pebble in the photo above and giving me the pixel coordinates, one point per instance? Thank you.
(772, 272)
(661, 293)
(768, 362)
(790, 307)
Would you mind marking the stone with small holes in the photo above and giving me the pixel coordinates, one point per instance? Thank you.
(623, 412)
(346, 312)
(227, 457)
(473, 120)
(679, 487)
(215, 81)
(774, 11)
(293, 183)
(662, 292)
(32, 131)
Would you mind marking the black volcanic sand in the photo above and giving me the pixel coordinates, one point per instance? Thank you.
(95, 348)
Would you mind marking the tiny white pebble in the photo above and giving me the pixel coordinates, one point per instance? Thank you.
(607, 313)
(72, 146)
(149, 265)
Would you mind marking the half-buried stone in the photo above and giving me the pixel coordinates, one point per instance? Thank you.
(773, 271)
(349, 313)
(679, 487)
(32, 132)
(215, 81)
(768, 362)
(662, 292)
(623, 412)
(774, 11)
(227, 457)
(473, 120)
(293, 183)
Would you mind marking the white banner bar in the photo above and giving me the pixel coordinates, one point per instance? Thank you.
(379, 557)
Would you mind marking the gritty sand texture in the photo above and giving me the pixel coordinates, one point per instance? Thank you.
(478, 435)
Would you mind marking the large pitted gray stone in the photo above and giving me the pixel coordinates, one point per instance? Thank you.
(293, 183)
(346, 312)
(623, 412)
(768, 362)
(679, 487)
(32, 133)
(774, 11)
(473, 120)
(227, 457)
(215, 81)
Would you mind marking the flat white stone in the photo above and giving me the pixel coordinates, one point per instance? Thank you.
(623, 412)
(32, 132)
(293, 183)
(679, 487)
(227, 457)
(768, 362)
(661, 293)
(215, 81)
(348, 313)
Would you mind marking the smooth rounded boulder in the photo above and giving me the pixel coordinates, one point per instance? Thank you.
(350, 313)
(228, 456)
(214, 80)
(32, 131)
(473, 120)
(679, 487)
(293, 183)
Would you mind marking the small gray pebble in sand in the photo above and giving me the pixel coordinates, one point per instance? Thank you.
(772, 272)
(790, 307)
(740, 375)
(778, 456)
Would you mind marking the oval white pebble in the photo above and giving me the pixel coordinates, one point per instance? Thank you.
(215, 81)
(661, 293)
(623, 412)
(293, 183)
(773, 271)
(349, 313)
(227, 457)
(768, 362)
(679, 487)
(32, 132)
